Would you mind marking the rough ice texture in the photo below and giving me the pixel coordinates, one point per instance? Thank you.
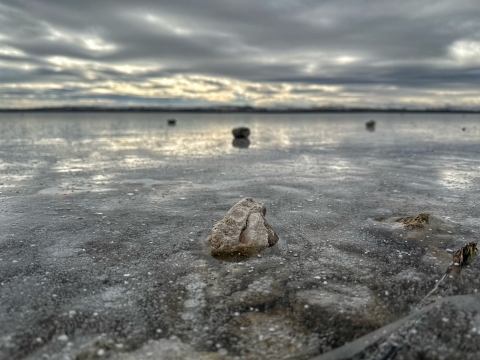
(271, 335)
(166, 349)
(244, 229)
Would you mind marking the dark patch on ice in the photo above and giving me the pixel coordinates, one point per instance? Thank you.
(418, 221)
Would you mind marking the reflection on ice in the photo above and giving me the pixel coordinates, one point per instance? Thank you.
(455, 179)
(241, 143)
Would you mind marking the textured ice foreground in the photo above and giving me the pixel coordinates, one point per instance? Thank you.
(104, 217)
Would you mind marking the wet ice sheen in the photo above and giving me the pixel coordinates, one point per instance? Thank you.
(335, 275)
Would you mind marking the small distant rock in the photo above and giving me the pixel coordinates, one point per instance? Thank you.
(241, 132)
(243, 230)
(370, 124)
(171, 122)
(463, 129)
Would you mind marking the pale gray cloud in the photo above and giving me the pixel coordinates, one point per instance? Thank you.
(301, 53)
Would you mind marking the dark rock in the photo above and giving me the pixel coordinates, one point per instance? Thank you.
(241, 132)
(172, 121)
(370, 125)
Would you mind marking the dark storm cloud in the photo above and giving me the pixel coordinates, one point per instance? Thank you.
(422, 77)
(408, 45)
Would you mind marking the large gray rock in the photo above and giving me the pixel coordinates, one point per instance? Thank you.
(243, 230)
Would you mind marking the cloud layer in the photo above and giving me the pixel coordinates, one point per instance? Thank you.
(412, 53)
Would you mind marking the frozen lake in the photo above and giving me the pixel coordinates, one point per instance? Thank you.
(103, 219)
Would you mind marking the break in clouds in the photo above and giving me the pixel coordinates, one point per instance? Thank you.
(411, 53)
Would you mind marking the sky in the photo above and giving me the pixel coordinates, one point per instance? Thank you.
(268, 53)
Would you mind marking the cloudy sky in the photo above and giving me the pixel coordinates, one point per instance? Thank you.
(303, 53)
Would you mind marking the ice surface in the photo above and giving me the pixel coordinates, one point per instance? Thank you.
(337, 273)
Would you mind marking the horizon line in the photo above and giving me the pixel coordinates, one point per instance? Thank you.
(238, 109)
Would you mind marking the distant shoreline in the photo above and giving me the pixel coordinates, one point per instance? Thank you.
(241, 109)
